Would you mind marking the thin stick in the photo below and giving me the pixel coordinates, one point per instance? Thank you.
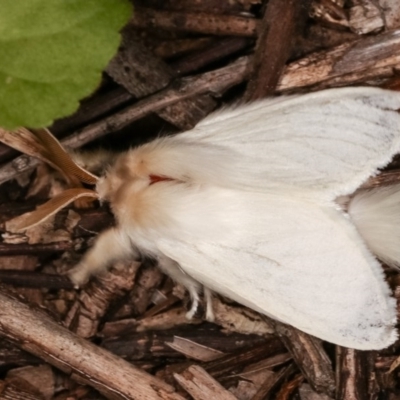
(115, 378)
(199, 22)
(274, 46)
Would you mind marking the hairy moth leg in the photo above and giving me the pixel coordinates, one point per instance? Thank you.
(111, 245)
(208, 297)
(172, 269)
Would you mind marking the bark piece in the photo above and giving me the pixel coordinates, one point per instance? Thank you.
(137, 69)
(40, 378)
(307, 393)
(134, 346)
(149, 278)
(162, 302)
(349, 63)
(272, 382)
(33, 249)
(173, 49)
(11, 355)
(18, 263)
(169, 319)
(93, 302)
(240, 319)
(214, 82)
(194, 350)
(365, 17)
(227, 368)
(274, 46)
(172, 318)
(141, 73)
(33, 279)
(351, 374)
(231, 363)
(244, 390)
(35, 332)
(391, 11)
(45, 232)
(318, 37)
(330, 13)
(91, 109)
(11, 392)
(310, 357)
(7, 153)
(254, 372)
(201, 386)
(93, 222)
(289, 387)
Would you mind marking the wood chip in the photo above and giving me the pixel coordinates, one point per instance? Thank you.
(92, 303)
(365, 17)
(201, 386)
(351, 373)
(40, 378)
(240, 319)
(272, 381)
(330, 13)
(307, 393)
(172, 318)
(391, 11)
(310, 356)
(194, 350)
(349, 63)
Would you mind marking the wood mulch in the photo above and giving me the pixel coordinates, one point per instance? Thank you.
(125, 335)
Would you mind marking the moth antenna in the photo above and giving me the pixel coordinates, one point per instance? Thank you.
(40, 143)
(46, 210)
(376, 214)
(26, 142)
(57, 155)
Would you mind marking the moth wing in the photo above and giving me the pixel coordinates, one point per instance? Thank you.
(299, 263)
(329, 141)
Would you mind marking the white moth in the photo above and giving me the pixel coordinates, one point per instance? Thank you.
(245, 205)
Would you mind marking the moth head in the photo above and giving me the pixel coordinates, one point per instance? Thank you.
(126, 171)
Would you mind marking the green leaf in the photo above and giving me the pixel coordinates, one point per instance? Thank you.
(52, 53)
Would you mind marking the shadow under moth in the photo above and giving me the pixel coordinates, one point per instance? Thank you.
(246, 205)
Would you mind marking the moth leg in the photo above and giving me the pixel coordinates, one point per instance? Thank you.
(194, 297)
(110, 246)
(172, 268)
(208, 296)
